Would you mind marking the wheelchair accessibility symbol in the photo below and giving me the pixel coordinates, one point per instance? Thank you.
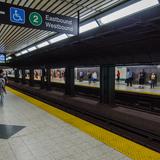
(17, 15)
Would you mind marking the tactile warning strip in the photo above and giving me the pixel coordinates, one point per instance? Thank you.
(144, 92)
(123, 145)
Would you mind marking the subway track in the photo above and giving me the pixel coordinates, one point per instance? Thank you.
(134, 100)
(145, 102)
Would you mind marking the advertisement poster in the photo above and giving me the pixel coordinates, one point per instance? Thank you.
(37, 74)
(20, 74)
(27, 74)
(9, 72)
(58, 75)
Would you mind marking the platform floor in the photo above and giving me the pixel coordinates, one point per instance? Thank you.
(124, 87)
(56, 135)
(118, 86)
(47, 137)
(136, 89)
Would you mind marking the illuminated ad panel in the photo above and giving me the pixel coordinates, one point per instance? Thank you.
(20, 73)
(58, 75)
(9, 72)
(37, 74)
(27, 74)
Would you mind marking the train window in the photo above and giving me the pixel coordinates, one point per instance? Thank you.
(57, 75)
(9, 72)
(37, 74)
(143, 79)
(87, 76)
(27, 74)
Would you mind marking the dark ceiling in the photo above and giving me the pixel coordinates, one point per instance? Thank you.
(132, 40)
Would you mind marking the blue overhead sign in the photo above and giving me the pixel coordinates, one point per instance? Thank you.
(30, 18)
(17, 15)
(2, 58)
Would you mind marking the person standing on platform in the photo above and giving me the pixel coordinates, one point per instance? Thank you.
(89, 77)
(129, 78)
(142, 76)
(2, 87)
(81, 76)
(94, 77)
(153, 80)
(118, 76)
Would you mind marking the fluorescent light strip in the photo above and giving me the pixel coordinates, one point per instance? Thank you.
(24, 52)
(88, 26)
(8, 58)
(31, 49)
(43, 44)
(18, 54)
(58, 38)
(70, 35)
(134, 8)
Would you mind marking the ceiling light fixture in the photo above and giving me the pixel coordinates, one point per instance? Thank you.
(43, 44)
(8, 58)
(58, 38)
(18, 54)
(88, 26)
(24, 52)
(31, 49)
(131, 9)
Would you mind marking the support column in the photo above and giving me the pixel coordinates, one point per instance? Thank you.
(23, 76)
(31, 73)
(16, 72)
(69, 81)
(48, 77)
(107, 84)
(42, 78)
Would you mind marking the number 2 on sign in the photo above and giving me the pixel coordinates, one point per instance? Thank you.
(35, 19)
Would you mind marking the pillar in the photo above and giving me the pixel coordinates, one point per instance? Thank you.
(69, 81)
(42, 78)
(107, 84)
(16, 72)
(31, 80)
(23, 76)
(48, 77)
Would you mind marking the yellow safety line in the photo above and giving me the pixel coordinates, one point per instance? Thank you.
(87, 86)
(131, 149)
(139, 92)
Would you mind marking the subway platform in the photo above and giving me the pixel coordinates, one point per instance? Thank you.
(33, 130)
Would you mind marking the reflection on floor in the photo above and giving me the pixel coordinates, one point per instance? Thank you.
(137, 89)
(46, 137)
(118, 86)
(58, 80)
(87, 84)
(124, 87)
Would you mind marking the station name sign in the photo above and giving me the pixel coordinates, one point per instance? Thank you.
(30, 18)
